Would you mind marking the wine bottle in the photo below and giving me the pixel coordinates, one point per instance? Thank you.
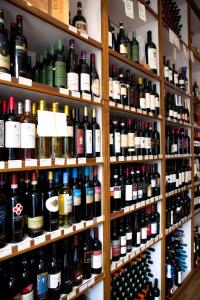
(4, 47)
(87, 256)
(96, 136)
(97, 193)
(3, 212)
(122, 46)
(12, 282)
(55, 140)
(79, 20)
(79, 136)
(41, 276)
(67, 141)
(134, 48)
(94, 78)
(115, 240)
(26, 278)
(84, 74)
(96, 253)
(20, 50)
(88, 197)
(54, 273)
(77, 263)
(72, 69)
(87, 134)
(60, 66)
(66, 268)
(151, 53)
(76, 196)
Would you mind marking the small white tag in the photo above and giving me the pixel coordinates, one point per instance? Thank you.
(63, 91)
(113, 158)
(99, 159)
(137, 251)
(137, 205)
(132, 254)
(111, 103)
(80, 225)
(126, 107)
(140, 157)
(119, 105)
(24, 244)
(82, 160)
(150, 114)
(55, 233)
(68, 230)
(59, 161)
(121, 158)
(72, 28)
(5, 76)
(139, 110)
(133, 109)
(39, 239)
(31, 163)
(126, 209)
(83, 287)
(71, 161)
(132, 207)
(89, 223)
(134, 157)
(144, 112)
(100, 219)
(2, 164)
(129, 9)
(129, 158)
(5, 251)
(142, 11)
(142, 203)
(75, 94)
(45, 162)
(97, 99)
(84, 35)
(146, 156)
(12, 164)
(25, 81)
(86, 96)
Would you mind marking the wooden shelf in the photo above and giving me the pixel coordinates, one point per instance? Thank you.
(178, 156)
(29, 244)
(178, 191)
(134, 207)
(179, 224)
(175, 89)
(134, 65)
(134, 159)
(135, 253)
(177, 123)
(39, 91)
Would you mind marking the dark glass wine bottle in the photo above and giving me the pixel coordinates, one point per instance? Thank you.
(54, 273)
(87, 133)
(87, 256)
(84, 74)
(77, 263)
(151, 53)
(76, 196)
(97, 193)
(41, 274)
(79, 20)
(67, 268)
(20, 50)
(4, 47)
(94, 78)
(72, 69)
(88, 197)
(26, 278)
(96, 253)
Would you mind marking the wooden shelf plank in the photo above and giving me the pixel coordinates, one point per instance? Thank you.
(175, 88)
(178, 191)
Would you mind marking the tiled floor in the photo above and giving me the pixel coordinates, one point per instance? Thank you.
(192, 290)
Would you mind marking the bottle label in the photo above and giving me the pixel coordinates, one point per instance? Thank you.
(89, 195)
(117, 192)
(80, 141)
(97, 193)
(144, 233)
(152, 102)
(124, 140)
(170, 75)
(181, 81)
(115, 248)
(27, 135)
(179, 277)
(142, 103)
(157, 102)
(149, 191)
(98, 140)
(87, 257)
(147, 100)
(1, 134)
(42, 284)
(77, 197)
(166, 72)
(137, 142)
(5, 61)
(148, 143)
(116, 89)
(131, 139)
(52, 204)
(72, 81)
(123, 49)
(111, 138)
(60, 73)
(81, 26)
(88, 141)
(140, 193)
(110, 39)
(110, 87)
(129, 236)
(36, 222)
(135, 194)
(70, 131)
(123, 240)
(117, 142)
(96, 259)
(138, 238)
(154, 228)
(54, 280)
(95, 87)
(65, 204)
(152, 58)
(27, 293)
(122, 90)
(153, 183)
(175, 78)
(85, 82)
(128, 192)
(174, 148)
(12, 134)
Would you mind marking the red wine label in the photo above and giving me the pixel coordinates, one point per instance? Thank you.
(97, 194)
(154, 228)
(117, 192)
(80, 141)
(72, 81)
(128, 192)
(144, 233)
(97, 259)
(17, 209)
(149, 230)
(115, 248)
(84, 82)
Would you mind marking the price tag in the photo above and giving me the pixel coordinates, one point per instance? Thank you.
(99, 159)
(5, 76)
(113, 158)
(111, 103)
(25, 81)
(76, 94)
(121, 158)
(160, 156)
(146, 157)
(39, 239)
(150, 114)
(129, 158)
(91, 281)
(5, 251)
(14, 164)
(86, 96)
(55, 233)
(140, 157)
(144, 112)
(137, 251)
(142, 11)
(139, 110)
(134, 157)
(132, 207)
(129, 9)
(127, 258)
(45, 162)
(63, 91)
(151, 156)
(137, 205)
(142, 203)
(31, 163)
(80, 225)
(192, 56)
(100, 219)
(119, 105)
(171, 36)
(59, 161)
(71, 295)
(84, 35)
(71, 161)
(2, 164)
(133, 109)
(24, 244)
(126, 209)
(97, 99)
(68, 230)
(72, 28)
(89, 223)
(126, 107)
(83, 287)
(82, 160)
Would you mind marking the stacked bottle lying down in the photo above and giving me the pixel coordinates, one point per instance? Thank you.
(47, 201)
(134, 281)
(52, 271)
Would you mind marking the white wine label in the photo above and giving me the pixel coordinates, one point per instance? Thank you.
(52, 204)
(54, 280)
(116, 89)
(12, 164)
(152, 58)
(12, 134)
(25, 81)
(27, 135)
(84, 82)
(5, 76)
(95, 87)
(63, 91)
(123, 49)
(128, 192)
(5, 61)
(72, 28)
(72, 81)
(124, 140)
(88, 141)
(36, 222)
(98, 140)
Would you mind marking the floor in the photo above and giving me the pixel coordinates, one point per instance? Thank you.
(192, 290)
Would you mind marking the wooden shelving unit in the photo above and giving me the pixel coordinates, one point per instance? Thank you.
(106, 56)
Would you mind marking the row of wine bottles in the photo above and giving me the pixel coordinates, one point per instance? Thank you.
(172, 16)
(134, 281)
(132, 137)
(196, 245)
(176, 264)
(177, 208)
(52, 68)
(52, 271)
(178, 174)
(128, 90)
(25, 136)
(197, 197)
(196, 142)
(132, 49)
(47, 203)
(134, 230)
(177, 141)
(133, 184)
(177, 78)
(176, 108)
